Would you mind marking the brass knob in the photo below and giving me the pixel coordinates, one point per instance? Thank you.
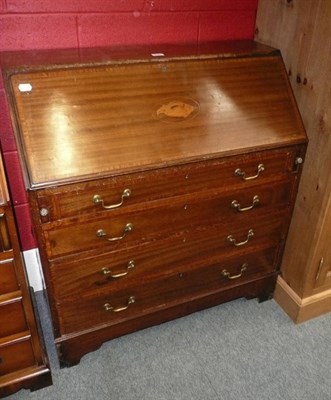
(44, 212)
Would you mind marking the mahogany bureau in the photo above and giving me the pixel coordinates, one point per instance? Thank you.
(23, 361)
(159, 184)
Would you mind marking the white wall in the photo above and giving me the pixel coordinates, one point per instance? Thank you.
(34, 270)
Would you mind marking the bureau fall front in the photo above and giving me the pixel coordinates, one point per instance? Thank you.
(158, 185)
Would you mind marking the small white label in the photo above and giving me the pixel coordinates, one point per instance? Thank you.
(157, 55)
(25, 87)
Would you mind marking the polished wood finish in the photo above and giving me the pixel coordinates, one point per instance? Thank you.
(77, 199)
(177, 255)
(186, 213)
(23, 363)
(4, 198)
(75, 110)
(8, 278)
(12, 310)
(306, 270)
(179, 287)
(199, 157)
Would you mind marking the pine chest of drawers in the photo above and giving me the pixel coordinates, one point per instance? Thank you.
(159, 184)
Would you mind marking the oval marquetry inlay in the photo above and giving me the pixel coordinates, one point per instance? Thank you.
(176, 109)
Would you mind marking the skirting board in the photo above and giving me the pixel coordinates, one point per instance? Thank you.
(298, 309)
(33, 269)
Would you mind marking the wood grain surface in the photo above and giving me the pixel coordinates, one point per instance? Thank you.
(301, 29)
(77, 123)
(188, 136)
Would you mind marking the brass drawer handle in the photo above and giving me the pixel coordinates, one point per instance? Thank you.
(232, 240)
(108, 307)
(235, 204)
(242, 174)
(107, 271)
(102, 234)
(97, 199)
(229, 276)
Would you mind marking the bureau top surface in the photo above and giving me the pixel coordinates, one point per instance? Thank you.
(78, 122)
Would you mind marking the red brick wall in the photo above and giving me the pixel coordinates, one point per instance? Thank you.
(46, 24)
(40, 24)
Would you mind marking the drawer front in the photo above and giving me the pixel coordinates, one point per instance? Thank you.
(123, 229)
(4, 198)
(12, 318)
(5, 242)
(157, 259)
(8, 279)
(16, 356)
(129, 190)
(111, 307)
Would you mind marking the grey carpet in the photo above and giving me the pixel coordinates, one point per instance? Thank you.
(240, 350)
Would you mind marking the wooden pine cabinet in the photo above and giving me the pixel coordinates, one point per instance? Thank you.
(23, 363)
(323, 274)
(316, 282)
(301, 30)
(158, 185)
